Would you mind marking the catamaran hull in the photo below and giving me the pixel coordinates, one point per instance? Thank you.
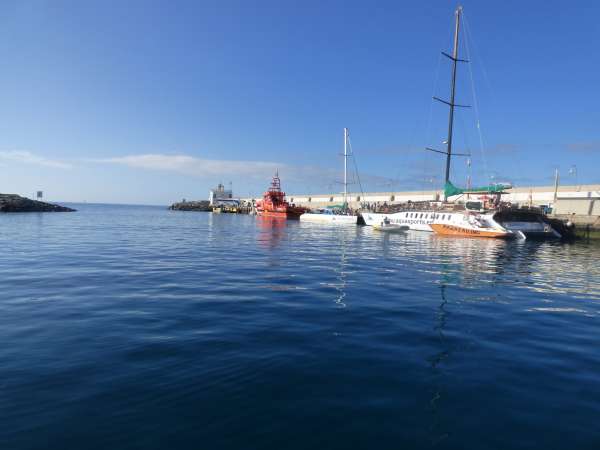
(453, 230)
(531, 223)
(400, 218)
(329, 218)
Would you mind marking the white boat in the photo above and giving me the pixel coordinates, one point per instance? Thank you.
(328, 215)
(386, 225)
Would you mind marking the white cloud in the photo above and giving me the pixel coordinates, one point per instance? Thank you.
(23, 157)
(191, 165)
(304, 177)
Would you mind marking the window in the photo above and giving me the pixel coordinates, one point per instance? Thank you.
(392, 198)
(330, 199)
(358, 198)
(309, 199)
(421, 216)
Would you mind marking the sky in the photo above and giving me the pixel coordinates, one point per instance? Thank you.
(153, 101)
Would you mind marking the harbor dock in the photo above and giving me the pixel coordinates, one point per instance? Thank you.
(578, 204)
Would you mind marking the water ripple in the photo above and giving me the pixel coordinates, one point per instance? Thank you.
(137, 327)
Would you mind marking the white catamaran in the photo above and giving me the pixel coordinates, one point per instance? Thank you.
(488, 218)
(335, 215)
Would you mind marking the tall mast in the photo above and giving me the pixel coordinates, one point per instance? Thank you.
(452, 93)
(345, 166)
(455, 59)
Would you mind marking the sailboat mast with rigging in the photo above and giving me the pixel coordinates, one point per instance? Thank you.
(346, 168)
(455, 60)
(328, 215)
(473, 219)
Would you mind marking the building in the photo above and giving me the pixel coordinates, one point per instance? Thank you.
(222, 197)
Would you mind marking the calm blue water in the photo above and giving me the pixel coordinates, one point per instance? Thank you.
(141, 328)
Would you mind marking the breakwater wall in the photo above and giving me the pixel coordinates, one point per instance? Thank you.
(15, 203)
(194, 205)
(539, 195)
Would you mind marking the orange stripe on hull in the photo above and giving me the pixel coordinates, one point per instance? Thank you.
(453, 230)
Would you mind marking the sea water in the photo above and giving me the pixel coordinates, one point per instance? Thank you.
(129, 327)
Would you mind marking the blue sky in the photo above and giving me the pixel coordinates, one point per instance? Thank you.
(153, 101)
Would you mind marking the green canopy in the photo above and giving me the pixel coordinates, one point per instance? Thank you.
(450, 189)
(342, 206)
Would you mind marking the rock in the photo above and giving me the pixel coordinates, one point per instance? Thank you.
(202, 205)
(16, 203)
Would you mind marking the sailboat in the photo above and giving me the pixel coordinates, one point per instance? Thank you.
(335, 215)
(489, 218)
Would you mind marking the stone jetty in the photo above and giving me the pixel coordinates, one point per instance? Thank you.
(16, 203)
(202, 205)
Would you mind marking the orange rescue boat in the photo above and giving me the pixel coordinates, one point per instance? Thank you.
(273, 203)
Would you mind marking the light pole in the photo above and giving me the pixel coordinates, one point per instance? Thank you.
(573, 171)
(556, 180)
(433, 180)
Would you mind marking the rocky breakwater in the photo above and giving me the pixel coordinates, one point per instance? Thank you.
(202, 205)
(16, 203)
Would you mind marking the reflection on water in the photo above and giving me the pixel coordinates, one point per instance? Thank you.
(437, 431)
(271, 230)
(342, 272)
(540, 266)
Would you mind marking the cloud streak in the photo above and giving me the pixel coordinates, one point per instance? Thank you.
(24, 157)
(584, 147)
(298, 177)
(261, 171)
(190, 165)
